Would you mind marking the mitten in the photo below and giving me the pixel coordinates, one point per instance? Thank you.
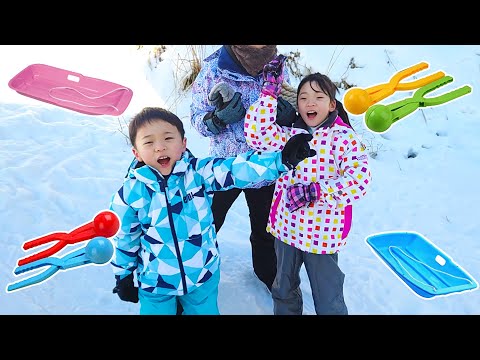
(126, 290)
(299, 195)
(220, 94)
(228, 108)
(297, 149)
(273, 76)
(231, 111)
(213, 123)
(286, 114)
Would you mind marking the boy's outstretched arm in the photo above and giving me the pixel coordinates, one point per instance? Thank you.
(252, 167)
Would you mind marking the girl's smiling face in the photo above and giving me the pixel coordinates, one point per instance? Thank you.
(314, 105)
(159, 145)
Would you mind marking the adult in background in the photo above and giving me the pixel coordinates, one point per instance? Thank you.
(230, 81)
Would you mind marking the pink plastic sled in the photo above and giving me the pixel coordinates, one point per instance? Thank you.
(71, 90)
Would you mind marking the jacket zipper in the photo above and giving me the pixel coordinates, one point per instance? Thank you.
(164, 188)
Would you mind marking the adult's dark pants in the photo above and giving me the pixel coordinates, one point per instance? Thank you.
(259, 200)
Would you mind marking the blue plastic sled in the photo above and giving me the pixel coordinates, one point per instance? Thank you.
(422, 266)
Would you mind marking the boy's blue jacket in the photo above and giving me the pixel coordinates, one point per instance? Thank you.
(167, 235)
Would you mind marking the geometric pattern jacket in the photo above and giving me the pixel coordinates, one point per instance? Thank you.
(340, 167)
(167, 235)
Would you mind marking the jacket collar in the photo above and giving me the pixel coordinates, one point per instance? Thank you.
(228, 61)
(148, 175)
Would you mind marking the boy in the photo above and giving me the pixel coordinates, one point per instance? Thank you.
(167, 234)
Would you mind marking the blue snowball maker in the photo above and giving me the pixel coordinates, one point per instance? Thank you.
(99, 250)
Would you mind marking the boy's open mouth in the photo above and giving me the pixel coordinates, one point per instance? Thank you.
(163, 161)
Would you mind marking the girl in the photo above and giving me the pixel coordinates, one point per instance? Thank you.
(311, 210)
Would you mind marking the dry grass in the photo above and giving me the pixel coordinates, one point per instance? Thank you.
(367, 138)
(186, 66)
(296, 69)
(189, 67)
(189, 62)
(154, 54)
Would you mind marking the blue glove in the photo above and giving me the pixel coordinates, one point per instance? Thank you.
(232, 111)
(229, 108)
(213, 123)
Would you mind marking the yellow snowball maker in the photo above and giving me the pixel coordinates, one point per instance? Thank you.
(357, 100)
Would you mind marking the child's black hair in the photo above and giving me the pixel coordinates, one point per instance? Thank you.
(149, 115)
(329, 88)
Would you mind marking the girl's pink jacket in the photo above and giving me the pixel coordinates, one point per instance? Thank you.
(340, 167)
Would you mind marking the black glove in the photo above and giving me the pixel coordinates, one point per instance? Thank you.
(286, 114)
(297, 149)
(126, 290)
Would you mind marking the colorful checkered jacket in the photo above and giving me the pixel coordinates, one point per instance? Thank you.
(340, 167)
(221, 67)
(167, 233)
